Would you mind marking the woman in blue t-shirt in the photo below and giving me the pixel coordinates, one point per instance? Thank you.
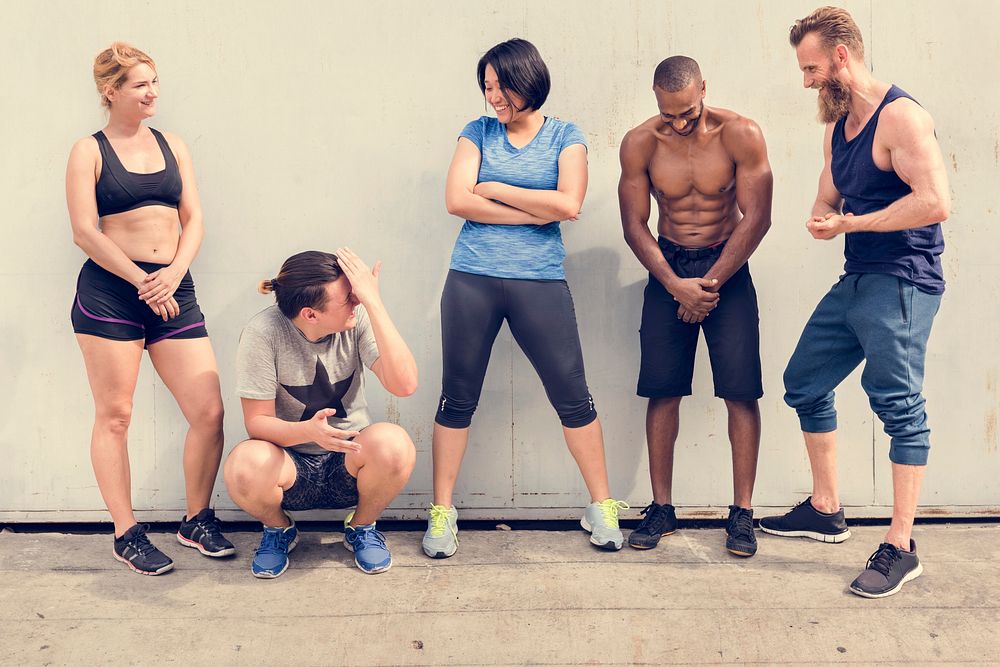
(512, 179)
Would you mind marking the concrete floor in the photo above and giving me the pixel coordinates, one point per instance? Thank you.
(507, 597)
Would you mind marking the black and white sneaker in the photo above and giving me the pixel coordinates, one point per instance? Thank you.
(135, 550)
(887, 570)
(204, 533)
(804, 520)
(740, 539)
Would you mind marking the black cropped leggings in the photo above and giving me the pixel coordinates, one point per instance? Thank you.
(542, 319)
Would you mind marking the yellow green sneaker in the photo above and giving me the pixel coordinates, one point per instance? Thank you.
(441, 537)
(601, 521)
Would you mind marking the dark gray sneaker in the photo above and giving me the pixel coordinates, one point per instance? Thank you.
(804, 520)
(658, 520)
(740, 539)
(887, 570)
(203, 532)
(135, 550)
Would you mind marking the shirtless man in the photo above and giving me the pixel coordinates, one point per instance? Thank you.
(707, 168)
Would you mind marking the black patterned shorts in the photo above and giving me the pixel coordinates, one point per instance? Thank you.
(321, 482)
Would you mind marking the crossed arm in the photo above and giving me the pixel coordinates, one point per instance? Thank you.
(495, 203)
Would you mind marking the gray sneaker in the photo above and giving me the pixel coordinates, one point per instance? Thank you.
(441, 537)
(601, 521)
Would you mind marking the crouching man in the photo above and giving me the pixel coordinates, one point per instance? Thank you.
(301, 382)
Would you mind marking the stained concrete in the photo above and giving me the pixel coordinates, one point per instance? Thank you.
(507, 597)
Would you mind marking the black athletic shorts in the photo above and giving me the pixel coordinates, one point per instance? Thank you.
(731, 331)
(321, 482)
(109, 307)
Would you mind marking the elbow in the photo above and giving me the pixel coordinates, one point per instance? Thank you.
(405, 384)
(455, 203)
(568, 212)
(940, 210)
(406, 388)
(568, 208)
(81, 239)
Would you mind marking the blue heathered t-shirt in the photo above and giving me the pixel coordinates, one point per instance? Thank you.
(533, 252)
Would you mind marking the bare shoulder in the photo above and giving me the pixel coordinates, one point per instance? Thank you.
(903, 118)
(740, 134)
(85, 147)
(641, 139)
(176, 144)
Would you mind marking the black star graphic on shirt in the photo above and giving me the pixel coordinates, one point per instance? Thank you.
(321, 393)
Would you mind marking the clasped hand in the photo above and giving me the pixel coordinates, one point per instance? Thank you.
(697, 298)
(828, 226)
(157, 291)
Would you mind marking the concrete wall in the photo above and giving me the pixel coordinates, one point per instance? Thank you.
(315, 124)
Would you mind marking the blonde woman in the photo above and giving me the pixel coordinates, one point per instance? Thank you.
(135, 212)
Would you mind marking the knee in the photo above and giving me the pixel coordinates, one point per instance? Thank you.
(209, 416)
(115, 417)
(799, 396)
(248, 465)
(389, 447)
(790, 380)
(455, 412)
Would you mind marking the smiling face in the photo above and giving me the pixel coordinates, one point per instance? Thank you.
(680, 111)
(507, 104)
(824, 70)
(136, 96)
(337, 314)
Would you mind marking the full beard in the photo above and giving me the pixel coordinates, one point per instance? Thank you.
(836, 103)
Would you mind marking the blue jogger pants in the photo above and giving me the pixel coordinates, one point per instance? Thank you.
(884, 321)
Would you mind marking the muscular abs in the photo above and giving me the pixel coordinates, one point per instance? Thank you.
(694, 187)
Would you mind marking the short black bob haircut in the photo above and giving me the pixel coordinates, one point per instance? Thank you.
(520, 69)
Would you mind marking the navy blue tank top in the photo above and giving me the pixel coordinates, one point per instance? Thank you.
(911, 254)
(119, 190)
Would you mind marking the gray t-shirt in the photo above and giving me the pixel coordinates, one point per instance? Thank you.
(275, 361)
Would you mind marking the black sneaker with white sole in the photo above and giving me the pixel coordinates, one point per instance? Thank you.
(740, 539)
(204, 533)
(658, 520)
(804, 520)
(135, 550)
(888, 569)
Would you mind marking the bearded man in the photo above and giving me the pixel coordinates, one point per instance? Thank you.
(883, 186)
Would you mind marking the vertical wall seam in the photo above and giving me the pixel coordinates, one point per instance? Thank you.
(871, 35)
(513, 457)
(871, 67)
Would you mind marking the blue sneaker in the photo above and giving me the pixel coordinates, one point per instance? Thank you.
(271, 558)
(368, 545)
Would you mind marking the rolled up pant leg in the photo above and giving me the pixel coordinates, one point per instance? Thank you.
(827, 351)
(893, 320)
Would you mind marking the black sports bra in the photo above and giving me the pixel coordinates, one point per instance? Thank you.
(119, 190)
